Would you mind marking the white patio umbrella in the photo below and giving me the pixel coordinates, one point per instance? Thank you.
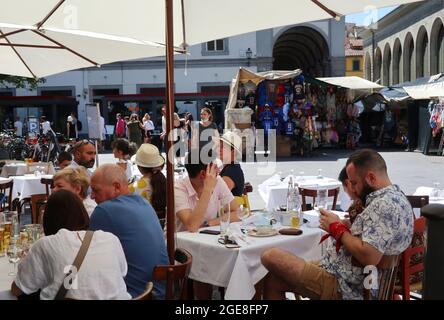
(194, 21)
(29, 52)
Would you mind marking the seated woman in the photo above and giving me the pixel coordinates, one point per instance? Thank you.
(123, 150)
(101, 275)
(77, 181)
(231, 173)
(152, 184)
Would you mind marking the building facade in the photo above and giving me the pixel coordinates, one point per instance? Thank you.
(407, 44)
(202, 77)
(354, 51)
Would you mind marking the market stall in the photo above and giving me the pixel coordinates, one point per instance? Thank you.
(304, 112)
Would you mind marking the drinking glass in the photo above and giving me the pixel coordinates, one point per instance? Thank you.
(14, 253)
(242, 213)
(2, 236)
(224, 218)
(435, 191)
(321, 200)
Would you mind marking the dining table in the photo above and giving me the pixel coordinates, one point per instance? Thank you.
(239, 269)
(274, 190)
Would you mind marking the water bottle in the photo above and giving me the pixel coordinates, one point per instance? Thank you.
(294, 206)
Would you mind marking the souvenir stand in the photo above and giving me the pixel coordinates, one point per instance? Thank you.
(305, 112)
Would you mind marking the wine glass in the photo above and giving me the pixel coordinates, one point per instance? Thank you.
(320, 174)
(14, 253)
(301, 176)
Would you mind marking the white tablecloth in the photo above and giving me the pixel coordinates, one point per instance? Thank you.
(27, 185)
(5, 279)
(238, 270)
(274, 191)
(20, 169)
(426, 191)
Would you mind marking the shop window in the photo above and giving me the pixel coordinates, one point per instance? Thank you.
(223, 90)
(62, 93)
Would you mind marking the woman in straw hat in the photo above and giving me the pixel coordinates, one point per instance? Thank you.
(229, 152)
(152, 184)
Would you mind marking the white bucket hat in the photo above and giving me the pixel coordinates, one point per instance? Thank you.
(233, 140)
(148, 156)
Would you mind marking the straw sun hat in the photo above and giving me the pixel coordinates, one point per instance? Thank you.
(233, 140)
(148, 156)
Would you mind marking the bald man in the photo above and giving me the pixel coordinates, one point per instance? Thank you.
(133, 220)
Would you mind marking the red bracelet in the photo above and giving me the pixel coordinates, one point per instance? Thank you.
(336, 230)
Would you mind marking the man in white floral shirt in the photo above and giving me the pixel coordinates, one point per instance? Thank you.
(385, 227)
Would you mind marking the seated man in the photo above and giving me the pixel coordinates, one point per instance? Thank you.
(385, 227)
(64, 160)
(84, 153)
(133, 220)
(199, 196)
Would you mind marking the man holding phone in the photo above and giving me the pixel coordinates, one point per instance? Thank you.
(385, 227)
(198, 198)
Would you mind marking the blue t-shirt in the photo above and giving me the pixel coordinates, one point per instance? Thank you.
(133, 220)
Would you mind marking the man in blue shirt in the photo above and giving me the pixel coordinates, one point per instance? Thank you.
(134, 221)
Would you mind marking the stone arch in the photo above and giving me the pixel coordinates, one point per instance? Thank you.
(408, 58)
(397, 62)
(437, 47)
(387, 66)
(377, 67)
(368, 66)
(422, 53)
(302, 47)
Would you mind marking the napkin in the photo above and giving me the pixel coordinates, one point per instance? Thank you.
(235, 234)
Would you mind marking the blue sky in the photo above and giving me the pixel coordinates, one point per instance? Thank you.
(364, 17)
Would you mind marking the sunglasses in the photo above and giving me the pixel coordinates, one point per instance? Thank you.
(82, 143)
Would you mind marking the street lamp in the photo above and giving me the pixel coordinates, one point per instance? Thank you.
(249, 55)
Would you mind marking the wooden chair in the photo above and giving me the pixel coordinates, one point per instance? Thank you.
(243, 200)
(176, 275)
(38, 203)
(6, 195)
(314, 193)
(387, 268)
(49, 184)
(412, 263)
(147, 294)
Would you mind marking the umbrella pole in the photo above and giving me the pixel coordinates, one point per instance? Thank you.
(170, 214)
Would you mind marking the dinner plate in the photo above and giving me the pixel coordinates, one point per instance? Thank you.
(253, 233)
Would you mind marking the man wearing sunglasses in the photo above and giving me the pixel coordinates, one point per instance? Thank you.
(84, 154)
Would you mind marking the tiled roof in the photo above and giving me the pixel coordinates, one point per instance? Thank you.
(354, 53)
